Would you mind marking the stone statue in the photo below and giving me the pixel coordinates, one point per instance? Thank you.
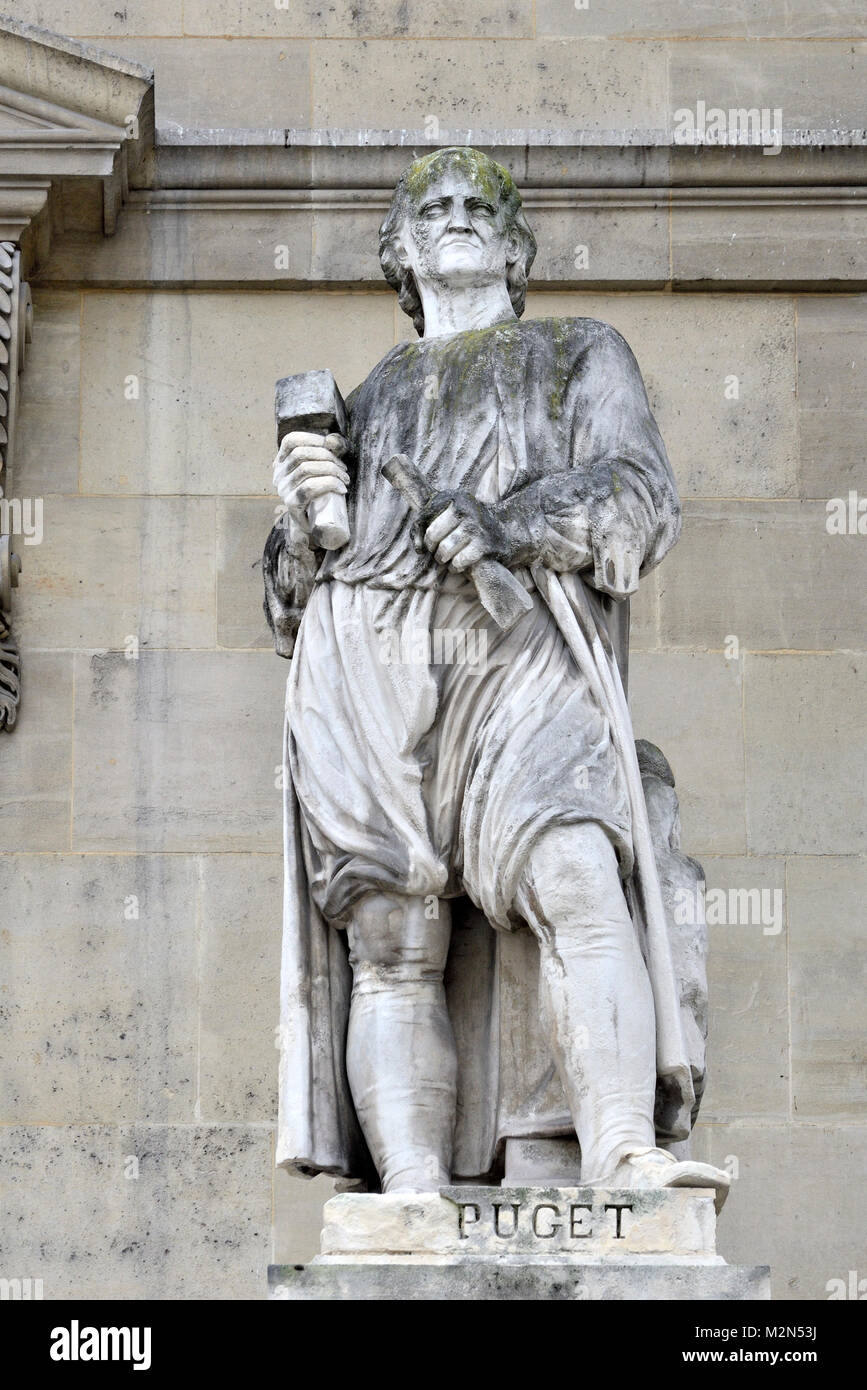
(466, 809)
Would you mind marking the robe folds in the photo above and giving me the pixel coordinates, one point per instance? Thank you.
(430, 775)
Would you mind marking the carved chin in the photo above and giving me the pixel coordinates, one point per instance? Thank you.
(464, 263)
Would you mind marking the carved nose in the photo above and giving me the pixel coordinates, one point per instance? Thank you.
(459, 221)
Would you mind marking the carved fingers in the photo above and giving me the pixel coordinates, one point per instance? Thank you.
(308, 466)
(617, 554)
(457, 530)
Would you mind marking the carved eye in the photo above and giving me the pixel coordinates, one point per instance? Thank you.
(434, 209)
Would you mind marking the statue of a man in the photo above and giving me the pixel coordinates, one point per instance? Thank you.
(503, 789)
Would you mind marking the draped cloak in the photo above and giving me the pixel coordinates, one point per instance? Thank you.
(545, 413)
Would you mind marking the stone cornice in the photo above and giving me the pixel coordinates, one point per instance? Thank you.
(78, 75)
(246, 200)
(68, 111)
(792, 237)
(344, 159)
(221, 204)
(520, 138)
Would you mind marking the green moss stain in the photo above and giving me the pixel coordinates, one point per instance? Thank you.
(490, 178)
(466, 363)
(563, 362)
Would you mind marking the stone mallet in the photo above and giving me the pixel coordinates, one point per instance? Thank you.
(504, 597)
(311, 401)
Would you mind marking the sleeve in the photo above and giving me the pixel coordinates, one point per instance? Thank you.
(615, 509)
(289, 566)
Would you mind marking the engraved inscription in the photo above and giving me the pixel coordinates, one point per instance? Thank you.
(561, 1222)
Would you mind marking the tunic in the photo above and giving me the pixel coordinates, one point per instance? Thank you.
(417, 768)
(425, 750)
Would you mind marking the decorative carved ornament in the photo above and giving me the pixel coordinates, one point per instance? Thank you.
(16, 318)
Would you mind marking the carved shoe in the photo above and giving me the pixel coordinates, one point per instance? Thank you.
(656, 1168)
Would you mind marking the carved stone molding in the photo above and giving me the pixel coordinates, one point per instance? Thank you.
(16, 316)
(10, 660)
(16, 330)
(272, 217)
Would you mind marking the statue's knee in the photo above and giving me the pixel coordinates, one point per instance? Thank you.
(572, 876)
(393, 933)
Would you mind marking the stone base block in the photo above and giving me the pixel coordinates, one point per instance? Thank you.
(507, 1278)
(554, 1222)
(518, 1243)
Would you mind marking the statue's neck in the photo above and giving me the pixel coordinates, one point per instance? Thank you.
(455, 309)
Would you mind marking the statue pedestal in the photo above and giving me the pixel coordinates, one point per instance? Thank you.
(526, 1242)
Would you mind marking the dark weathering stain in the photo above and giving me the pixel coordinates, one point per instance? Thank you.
(102, 669)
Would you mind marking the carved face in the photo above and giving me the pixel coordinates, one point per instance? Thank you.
(455, 233)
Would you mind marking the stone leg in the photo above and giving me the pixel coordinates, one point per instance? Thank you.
(596, 994)
(400, 1049)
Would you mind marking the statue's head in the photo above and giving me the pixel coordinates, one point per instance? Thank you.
(455, 219)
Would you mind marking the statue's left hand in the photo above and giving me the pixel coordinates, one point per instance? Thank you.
(616, 551)
(458, 530)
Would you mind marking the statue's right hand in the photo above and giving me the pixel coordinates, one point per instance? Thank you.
(309, 466)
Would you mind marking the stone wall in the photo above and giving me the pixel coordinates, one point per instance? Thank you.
(609, 65)
(139, 807)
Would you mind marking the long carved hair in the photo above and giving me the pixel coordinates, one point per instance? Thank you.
(412, 183)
